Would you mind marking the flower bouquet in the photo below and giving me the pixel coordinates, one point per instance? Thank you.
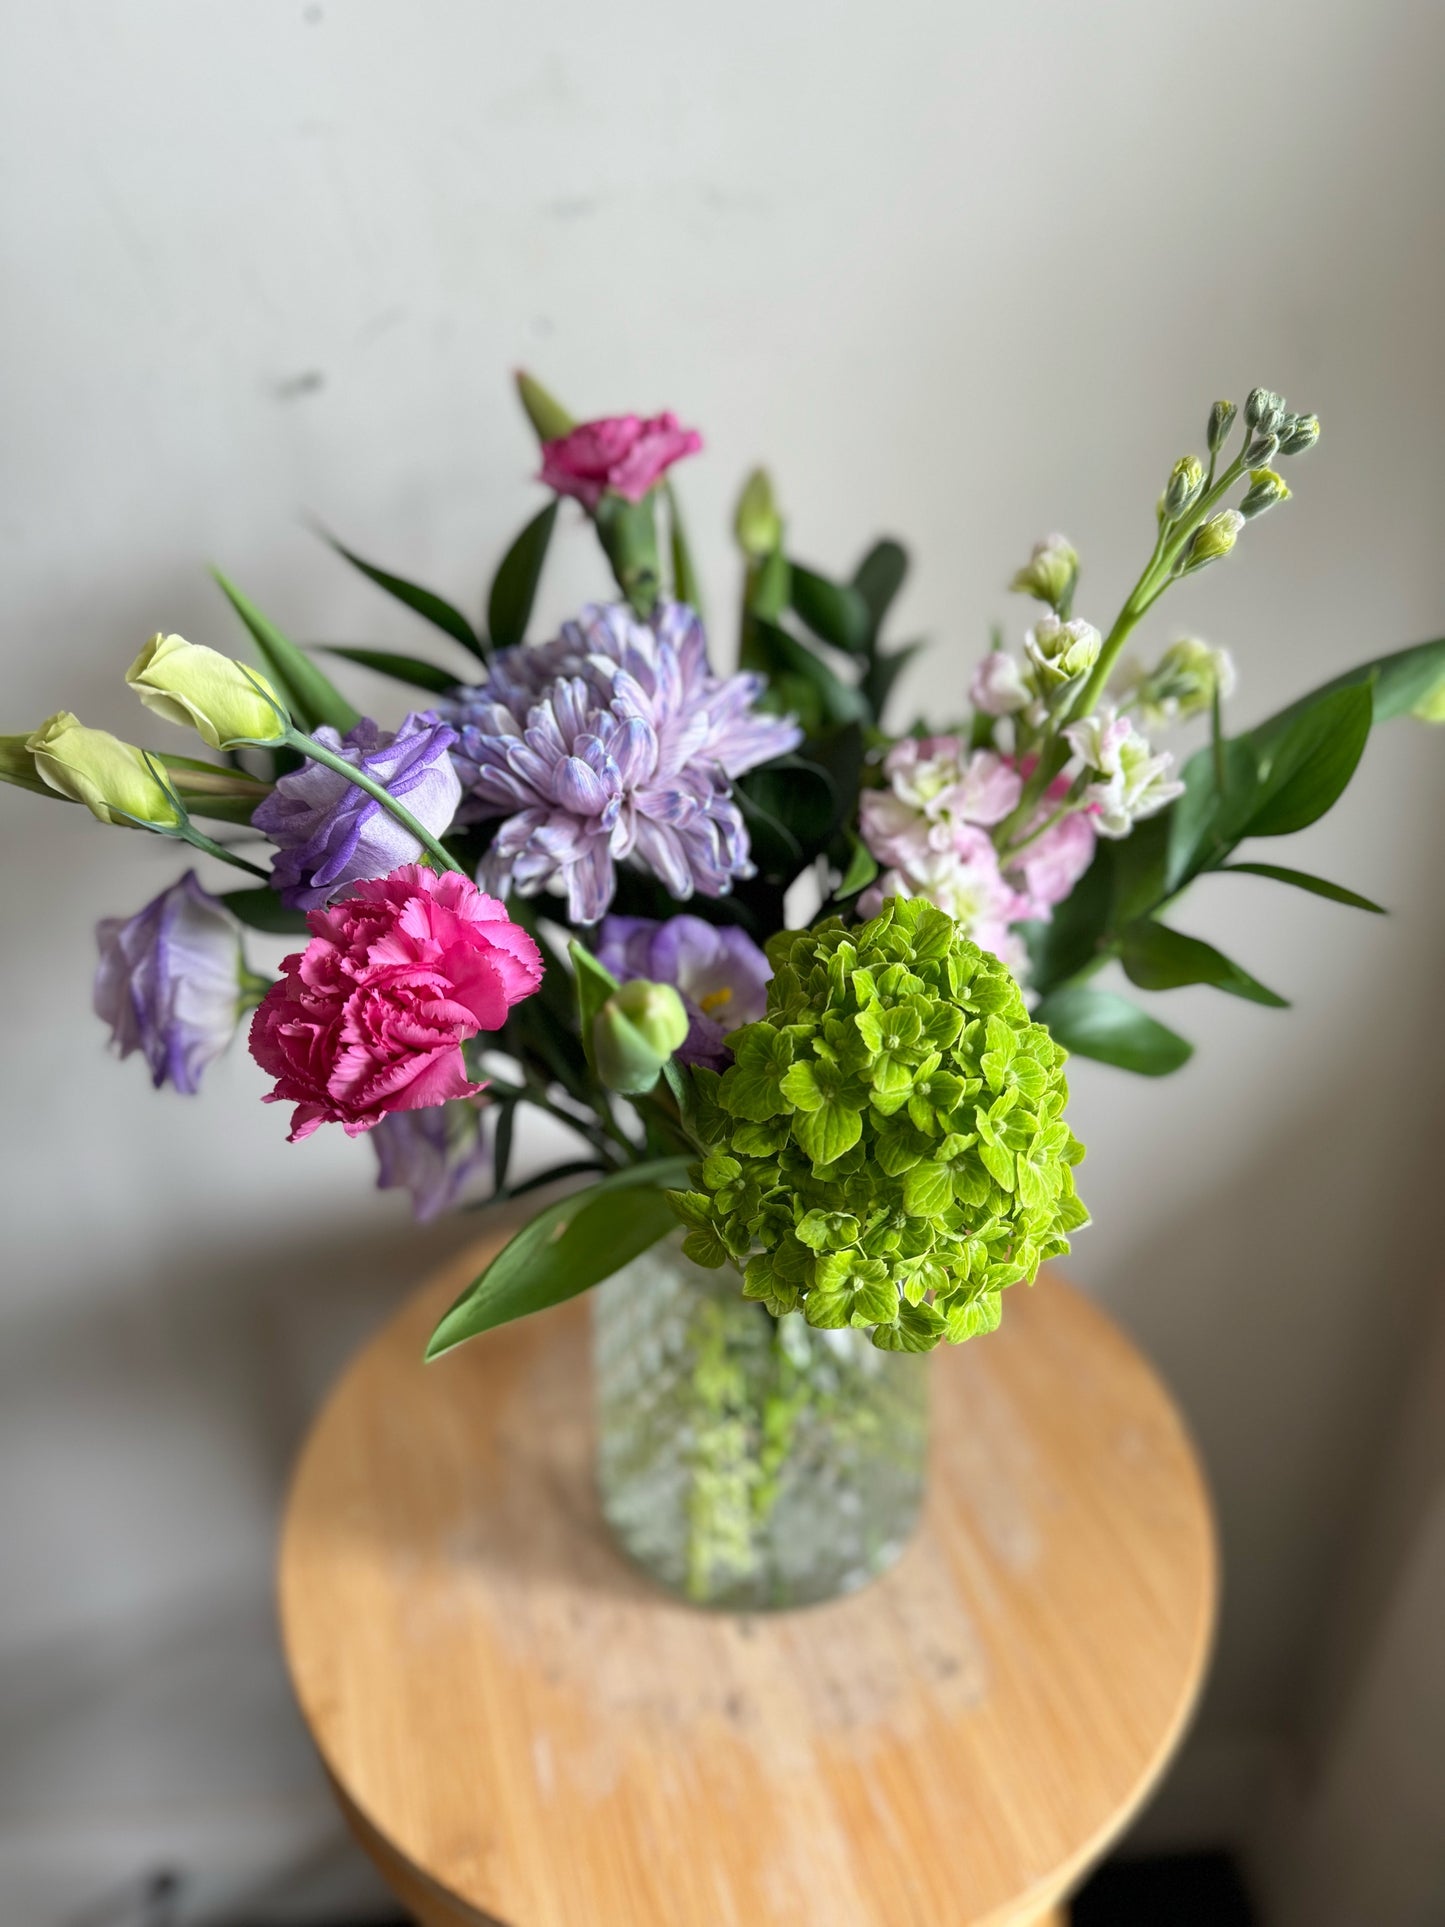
(800, 988)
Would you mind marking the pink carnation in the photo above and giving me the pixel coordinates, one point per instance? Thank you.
(619, 453)
(372, 1015)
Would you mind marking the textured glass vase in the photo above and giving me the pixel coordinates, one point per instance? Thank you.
(747, 1461)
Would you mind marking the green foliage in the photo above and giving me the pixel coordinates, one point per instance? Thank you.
(566, 1249)
(1317, 886)
(1158, 958)
(1097, 1024)
(425, 603)
(307, 693)
(261, 909)
(407, 669)
(888, 1148)
(514, 586)
(836, 612)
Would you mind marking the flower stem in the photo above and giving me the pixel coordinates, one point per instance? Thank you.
(318, 753)
(198, 840)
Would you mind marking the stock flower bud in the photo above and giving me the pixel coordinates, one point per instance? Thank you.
(1265, 489)
(112, 778)
(1301, 433)
(1262, 451)
(226, 703)
(1060, 652)
(634, 1034)
(757, 523)
(1264, 410)
(1212, 539)
(1221, 420)
(1183, 487)
(1183, 683)
(1049, 573)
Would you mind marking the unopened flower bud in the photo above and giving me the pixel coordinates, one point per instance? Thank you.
(1262, 451)
(1049, 573)
(1265, 489)
(757, 523)
(1060, 652)
(1183, 683)
(998, 687)
(1301, 433)
(113, 779)
(226, 703)
(634, 1034)
(1212, 539)
(1185, 482)
(1264, 410)
(1221, 420)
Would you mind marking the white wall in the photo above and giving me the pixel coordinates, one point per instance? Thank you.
(964, 272)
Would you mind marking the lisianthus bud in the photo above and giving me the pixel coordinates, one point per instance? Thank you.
(112, 778)
(1431, 706)
(1183, 486)
(1060, 652)
(1049, 573)
(226, 703)
(757, 523)
(1265, 489)
(634, 1034)
(1212, 539)
(1300, 434)
(1221, 420)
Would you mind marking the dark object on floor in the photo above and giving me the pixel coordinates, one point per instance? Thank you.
(1170, 1890)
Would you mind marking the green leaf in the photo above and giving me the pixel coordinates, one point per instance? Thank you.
(514, 586)
(1097, 1024)
(834, 611)
(1304, 769)
(546, 414)
(825, 1134)
(426, 603)
(594, 986)
(566, 1249)
(801, 681)
(879, 577)
(685, 585)
(261, 909)
(1072, 938)
(884, 671)
(1158, 958)
(407, 669)
(310, 696)
(862, 869)
(1399, 681)
(1317, 886)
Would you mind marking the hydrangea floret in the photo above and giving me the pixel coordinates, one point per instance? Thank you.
(888, 1149)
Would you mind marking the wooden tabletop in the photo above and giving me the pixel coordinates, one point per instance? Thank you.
(522, 1729)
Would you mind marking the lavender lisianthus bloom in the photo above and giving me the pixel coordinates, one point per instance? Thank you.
(720, 974)
(613, 741)
(330, 833)
(169, 982)
(433, 1153)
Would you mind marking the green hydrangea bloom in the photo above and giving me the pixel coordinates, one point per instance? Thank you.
(888, 1147)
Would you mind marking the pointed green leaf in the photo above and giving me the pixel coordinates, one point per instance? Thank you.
(310, 696)
(1158, 958)
(261, 909)
(685, 585)
(1305, 769)
(834, 611)
(1097, 1024)
(566, 1249)
(546, 414)
(862, 869)
(514, 586)
(1317, 886)
(884, 671)
(407, 669)
(425, 603)
(1398, 681)
(879, 577)
(800, 680)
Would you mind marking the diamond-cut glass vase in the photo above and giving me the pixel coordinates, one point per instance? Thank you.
(746, 1461)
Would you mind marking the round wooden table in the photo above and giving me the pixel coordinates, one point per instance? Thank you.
(522, 1729)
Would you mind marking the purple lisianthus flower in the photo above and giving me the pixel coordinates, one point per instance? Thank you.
(169, 982)
(434, 1154)
(330, 833)
(613, 741)
(720, 974)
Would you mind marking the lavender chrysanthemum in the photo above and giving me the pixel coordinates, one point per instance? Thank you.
(719, 972)
(330, 833)
(613, 741)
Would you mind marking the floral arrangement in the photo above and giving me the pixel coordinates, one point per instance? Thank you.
(794, 981)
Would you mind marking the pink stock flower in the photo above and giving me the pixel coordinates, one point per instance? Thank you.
(371, 1017)
(620, 453)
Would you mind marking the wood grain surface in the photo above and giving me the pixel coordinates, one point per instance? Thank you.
(522, 1729)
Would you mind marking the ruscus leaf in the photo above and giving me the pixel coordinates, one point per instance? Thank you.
(310, 696)
(514, 586)
(1111, 1030)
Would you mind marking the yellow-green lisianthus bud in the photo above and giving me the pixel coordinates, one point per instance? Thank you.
(1299, 434)
(634, 1034)
(112, 778)
(1182, 489)
(1049, 573)
(17, 765)
(1221, 420)
(1265, 489)
(1431, 706)
(1212, 539)
(226, 703)
(757, 523)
